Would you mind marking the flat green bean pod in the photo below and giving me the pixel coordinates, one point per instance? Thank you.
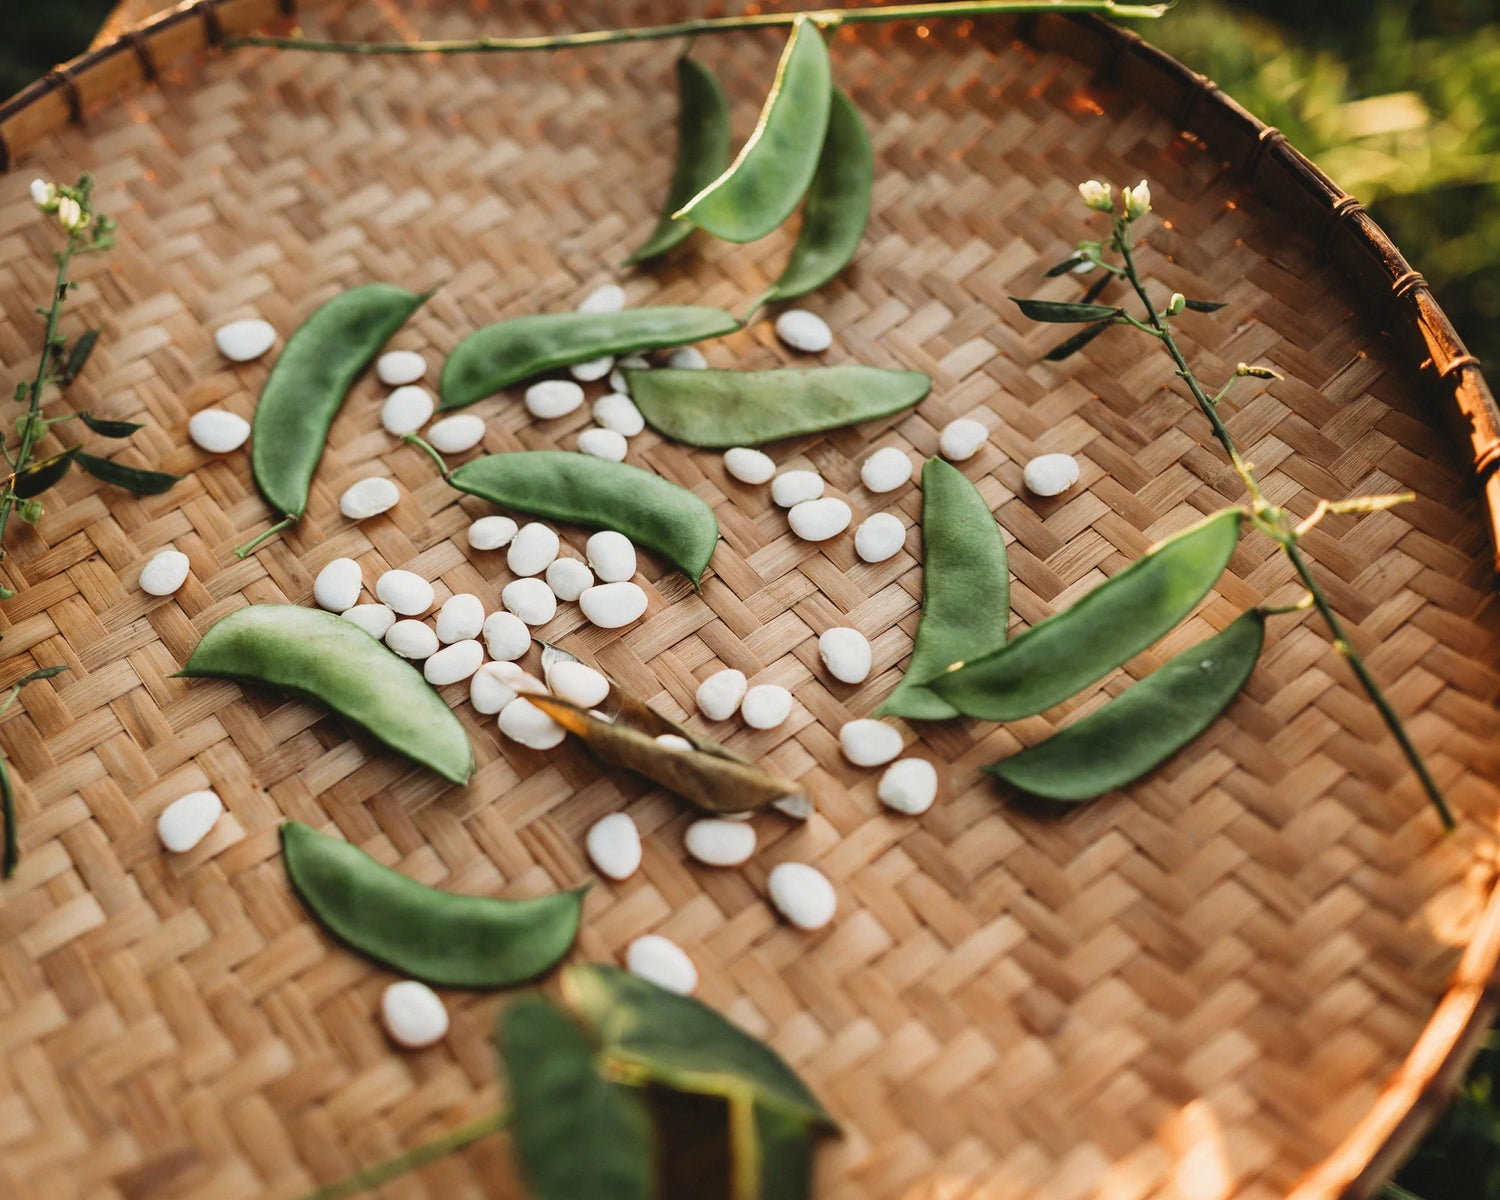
(308, 384)
(837, 207)
(702, 153)
(965, 589)
(1118, 619)
(441, 938)
(749, 408)
(600, 494)
(320, 655)
(1146, 725)
(774, 168)
(509, 351)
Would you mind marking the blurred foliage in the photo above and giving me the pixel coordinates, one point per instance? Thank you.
(35, 36)
(1460, 1158)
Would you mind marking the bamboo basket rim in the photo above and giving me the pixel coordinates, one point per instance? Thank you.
(1415, 1094)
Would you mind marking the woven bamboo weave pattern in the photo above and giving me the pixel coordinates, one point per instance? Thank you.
(1192, 988)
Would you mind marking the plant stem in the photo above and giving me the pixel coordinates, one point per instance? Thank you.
(825, 17)
(464, 1135)
(1287, 539)
(421, 443)
(245, 550)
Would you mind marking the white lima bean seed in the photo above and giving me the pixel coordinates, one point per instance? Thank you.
(749, 466)
(611, 555)
(908, 786)
(506, 636)
(398, 367)
(720, 694)
(687, 358)
(592, 369)
(406, 592)
(568, 578)
(795, 487)
(529, 599)
(603, 443)
(553, 398)
(819, 520)
(454, 435)
(338, 585)
(886, 470)
(802, 895)
(218, 431)
(805, 331)
(869, 743)
(846, 654)
(606, 298)
(577, 683)
(374, 619)
(491, 688)
(491, 533)
(614, 846)
(879, 537)
(613, 605)
(165, 573)
(453, 663)
(460, 618)
(186, 821)
(406, 410)
(673, 741)
(241, 341)
(532, 549)
(962, 438)
(516, 676)
(413, 1015)
(663, 962)
(1051, 474)
(368, 498)
(618, 412)
(411, 639)
(720, 843)
(766, 706)
(524, 722)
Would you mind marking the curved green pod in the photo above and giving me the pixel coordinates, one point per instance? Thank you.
(774, 168)
(837, 207)
(965, 589)
(331, 660)
(719, 409)
(1145, 725)
(441, 938)
(509, 351)
(1118, 619)
(702, 153)
(565, 486)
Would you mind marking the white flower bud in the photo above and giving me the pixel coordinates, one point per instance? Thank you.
(1176, 304)
(44, 195)
(70, 214)
(1096, 195)
(1137, 201)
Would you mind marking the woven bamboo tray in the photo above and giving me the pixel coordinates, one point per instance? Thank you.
(1253, 974)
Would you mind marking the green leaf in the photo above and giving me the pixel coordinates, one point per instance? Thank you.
(578, 1135)
(1063, 267)
(132, 479)
(1206, 305)
(23, 392)
(30, 511)
(1055, 312)
(110, 429)
(8, 815)
(40, 673)
(1077, 342)
(38, 477)
(784, 1149)
(79, 355)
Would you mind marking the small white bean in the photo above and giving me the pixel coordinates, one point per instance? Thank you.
(553, 398)
(720, 843)
(606, 298)
(687, 358)
(720, 694)
(568, 578)
(766, 706)
(613, 605)
(491, 688)
(165, 573)
(819, 520)
(530, 599)
(673, 741)
(241, 341)
(802, 895)
(603, 443)
(879, 537)
(491, 533)
(454, 435)
(611, 555)
(846, 654)
(338, 585)
(524, 722)
(186, 821)
(618, 412)
(886, 470)
(869, 743)
(793, 487)
(592, 369)
(962, 438)
(577, 683)
(374, 619)
(406, 592)
(533, 549)
(749, 466)
(460, 618)
(516, 677)
(413, 1015)
(397, 367)
(908, 786)
(1051, 474)
(663, 962)
(453, 663)
(406, 410)
(506, 636)
(805, 331)
(614, 846)
(411, 639)
(368, 498)
(218, 431)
